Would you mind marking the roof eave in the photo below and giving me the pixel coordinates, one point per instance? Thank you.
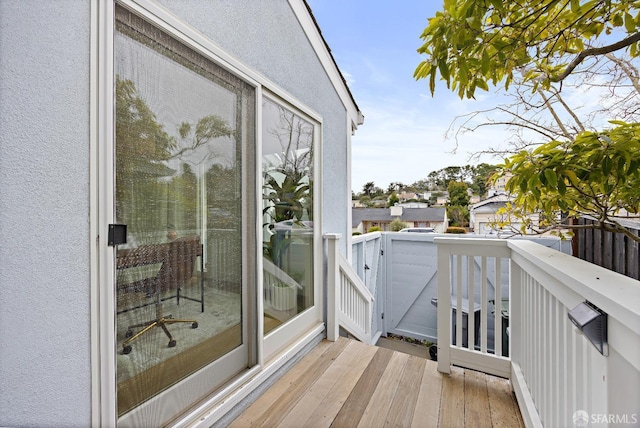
(311, 28)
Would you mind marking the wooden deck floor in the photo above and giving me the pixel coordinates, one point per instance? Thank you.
(350, 384)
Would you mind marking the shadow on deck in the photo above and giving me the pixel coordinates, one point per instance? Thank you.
(347, 384)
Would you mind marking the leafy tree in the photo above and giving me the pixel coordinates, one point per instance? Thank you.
(541, 46)
(397, 225)
(458, 195)
(393, 199)
(368, 187)
(143, 148)
(475, 42)
(195, 139)
(147, 189)
(597, 175)
(482, 175)
(395, 187)
(421, 185)
(458, 215)
(365, 200)
(458, 205)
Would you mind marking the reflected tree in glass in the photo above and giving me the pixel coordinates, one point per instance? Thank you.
(287, 211)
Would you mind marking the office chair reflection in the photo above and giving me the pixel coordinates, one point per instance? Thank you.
(177, 269)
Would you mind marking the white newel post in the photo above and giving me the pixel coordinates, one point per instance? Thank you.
(333, 282)
(444, 308)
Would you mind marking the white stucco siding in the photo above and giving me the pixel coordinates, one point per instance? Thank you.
(44, 213)
(45, 242)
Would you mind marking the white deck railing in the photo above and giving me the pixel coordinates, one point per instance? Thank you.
(557, 374)
(366, 257)
(349, 301)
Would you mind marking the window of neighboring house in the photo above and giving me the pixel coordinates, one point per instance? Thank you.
(186, 188)
(288, 212)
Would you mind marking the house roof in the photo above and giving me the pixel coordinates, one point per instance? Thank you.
(360, 116)
(499, 199)
(358, 215)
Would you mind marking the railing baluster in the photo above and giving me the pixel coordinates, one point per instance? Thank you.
(497, 313)
(537, 363)
(568, 362)
(483, 304)
(444, 308)
(544, 339)
(561, 396)
(471, 318)
(459, 311)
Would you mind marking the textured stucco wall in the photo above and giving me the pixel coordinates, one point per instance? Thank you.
(266, 36)
(44, 233)
(45, 369)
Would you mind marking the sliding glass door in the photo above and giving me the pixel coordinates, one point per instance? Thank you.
(287, 213)
(185, 189)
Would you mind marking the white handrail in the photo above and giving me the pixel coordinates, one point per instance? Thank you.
(556, 373)
(274, 274)
(349, 302)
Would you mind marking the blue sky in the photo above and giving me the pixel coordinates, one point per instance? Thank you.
(402, 139)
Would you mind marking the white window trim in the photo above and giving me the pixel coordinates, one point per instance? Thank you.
(103, 341)
(278, 339)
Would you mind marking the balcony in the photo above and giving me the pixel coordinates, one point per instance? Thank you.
(558, 375)
(518, 361)
(347, 383)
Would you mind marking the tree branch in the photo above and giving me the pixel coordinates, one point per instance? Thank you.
(627, 69)
(596, 51)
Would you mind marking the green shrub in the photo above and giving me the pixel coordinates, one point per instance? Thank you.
(453, 229)
(397, 225)
(374, 229)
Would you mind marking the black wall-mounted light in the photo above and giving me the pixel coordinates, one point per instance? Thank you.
(592, 322)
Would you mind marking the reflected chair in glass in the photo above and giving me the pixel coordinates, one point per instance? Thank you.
(177, 270)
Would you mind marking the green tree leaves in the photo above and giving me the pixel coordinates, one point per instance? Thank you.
(597, 175)
(474, 42)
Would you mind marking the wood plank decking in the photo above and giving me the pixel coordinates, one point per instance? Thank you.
(349, 384)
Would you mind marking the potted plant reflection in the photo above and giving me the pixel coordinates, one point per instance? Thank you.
(287, 210)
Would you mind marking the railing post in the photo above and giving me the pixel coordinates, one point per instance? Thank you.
(333, 282)
(444, 308)
(515, 313)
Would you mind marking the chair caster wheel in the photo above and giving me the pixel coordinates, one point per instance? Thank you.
(129, 333)
(126, 350)
(194, 325)
(172, 343)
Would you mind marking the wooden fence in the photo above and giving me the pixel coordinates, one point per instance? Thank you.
(613, 251)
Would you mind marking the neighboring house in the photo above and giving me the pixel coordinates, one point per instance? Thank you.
(414, 205)
(483, 213)
(442, 200)
(365, 218)
(499, 186)
(164, 116)
(405, 196)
